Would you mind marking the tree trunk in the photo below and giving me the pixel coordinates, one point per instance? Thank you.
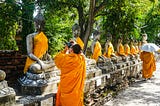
(90, 24)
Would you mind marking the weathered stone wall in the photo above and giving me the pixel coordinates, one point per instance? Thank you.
(111, 76)
(102, 82)
(12, 62)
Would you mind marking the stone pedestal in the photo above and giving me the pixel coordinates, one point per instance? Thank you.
(42, 100)
(7, 94)
(38, 84)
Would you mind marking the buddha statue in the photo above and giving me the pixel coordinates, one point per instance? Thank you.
(120, 48)
(39, 67)
(38, 60)
(144, 38)
(76, 33)
(2, 75)
(109, 49)
(96, 46)
(133, 48)
(127, 48)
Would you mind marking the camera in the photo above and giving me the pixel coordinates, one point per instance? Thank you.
(69, 44)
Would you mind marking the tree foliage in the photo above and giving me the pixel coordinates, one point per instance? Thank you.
(126, 18)
(8, 24)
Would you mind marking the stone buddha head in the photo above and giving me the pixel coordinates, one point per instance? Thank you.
(2, 75)
(108, 37)
(39, 22)
(96, 35)
(76, 30)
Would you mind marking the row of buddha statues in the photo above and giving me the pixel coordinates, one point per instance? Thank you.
(129, 48)
(39, 61)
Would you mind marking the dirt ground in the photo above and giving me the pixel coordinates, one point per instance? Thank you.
(142, 93)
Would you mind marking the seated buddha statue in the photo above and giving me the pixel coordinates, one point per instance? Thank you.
(120, 48)
(127, 48)
(96, 46)
(76, 33)
(133, 48)
(144, 38)
(38, 60)
(2, 75)
(109, 49)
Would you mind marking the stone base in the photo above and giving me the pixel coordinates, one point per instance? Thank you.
(3, 84)
(50, 87)
(32, 90)
(7, 97)
(42, 100)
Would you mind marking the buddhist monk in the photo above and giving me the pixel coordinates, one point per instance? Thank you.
(73, 73)
(96, 46)
(148, 64)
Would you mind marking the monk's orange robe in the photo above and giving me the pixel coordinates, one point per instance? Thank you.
(97, 51)
(121, 50)
(80, 42)
(133, 49)
(73, 73)
(127, 49)
(110, 50)
(148, 64)
(39, 49)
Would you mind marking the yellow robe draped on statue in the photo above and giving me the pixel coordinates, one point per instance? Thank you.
(121, 50)
(110, 50)
(133, 50)
(73, 73)
(39, 49)
(97, 51)
(80, 42)
(127, 49)
(148, 64)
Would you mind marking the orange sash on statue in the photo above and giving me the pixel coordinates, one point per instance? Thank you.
(97, 51)
(127, 49)
(133, 49)
(110, 50)
(80, 42)
(39, 49)
(121, 50)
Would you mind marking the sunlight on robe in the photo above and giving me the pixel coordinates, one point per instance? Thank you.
(73, 73)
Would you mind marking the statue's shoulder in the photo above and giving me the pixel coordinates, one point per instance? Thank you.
(31, 35)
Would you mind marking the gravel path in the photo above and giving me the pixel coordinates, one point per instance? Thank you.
(142, 93)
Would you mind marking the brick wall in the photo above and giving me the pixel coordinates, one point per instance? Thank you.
(12, 62)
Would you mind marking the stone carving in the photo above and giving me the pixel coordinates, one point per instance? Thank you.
(76, 33)
(2, 75)
(7, 94)
(39, 64)
(144, 38)
(109, 49)
(96, 46)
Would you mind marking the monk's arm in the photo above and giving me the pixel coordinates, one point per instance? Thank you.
(59, 58)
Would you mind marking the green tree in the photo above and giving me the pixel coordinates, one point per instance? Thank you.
(28, 7)
(152, 23)
(10, 11)
(85, 10)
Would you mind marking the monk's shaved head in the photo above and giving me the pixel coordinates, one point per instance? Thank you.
(76, 49)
